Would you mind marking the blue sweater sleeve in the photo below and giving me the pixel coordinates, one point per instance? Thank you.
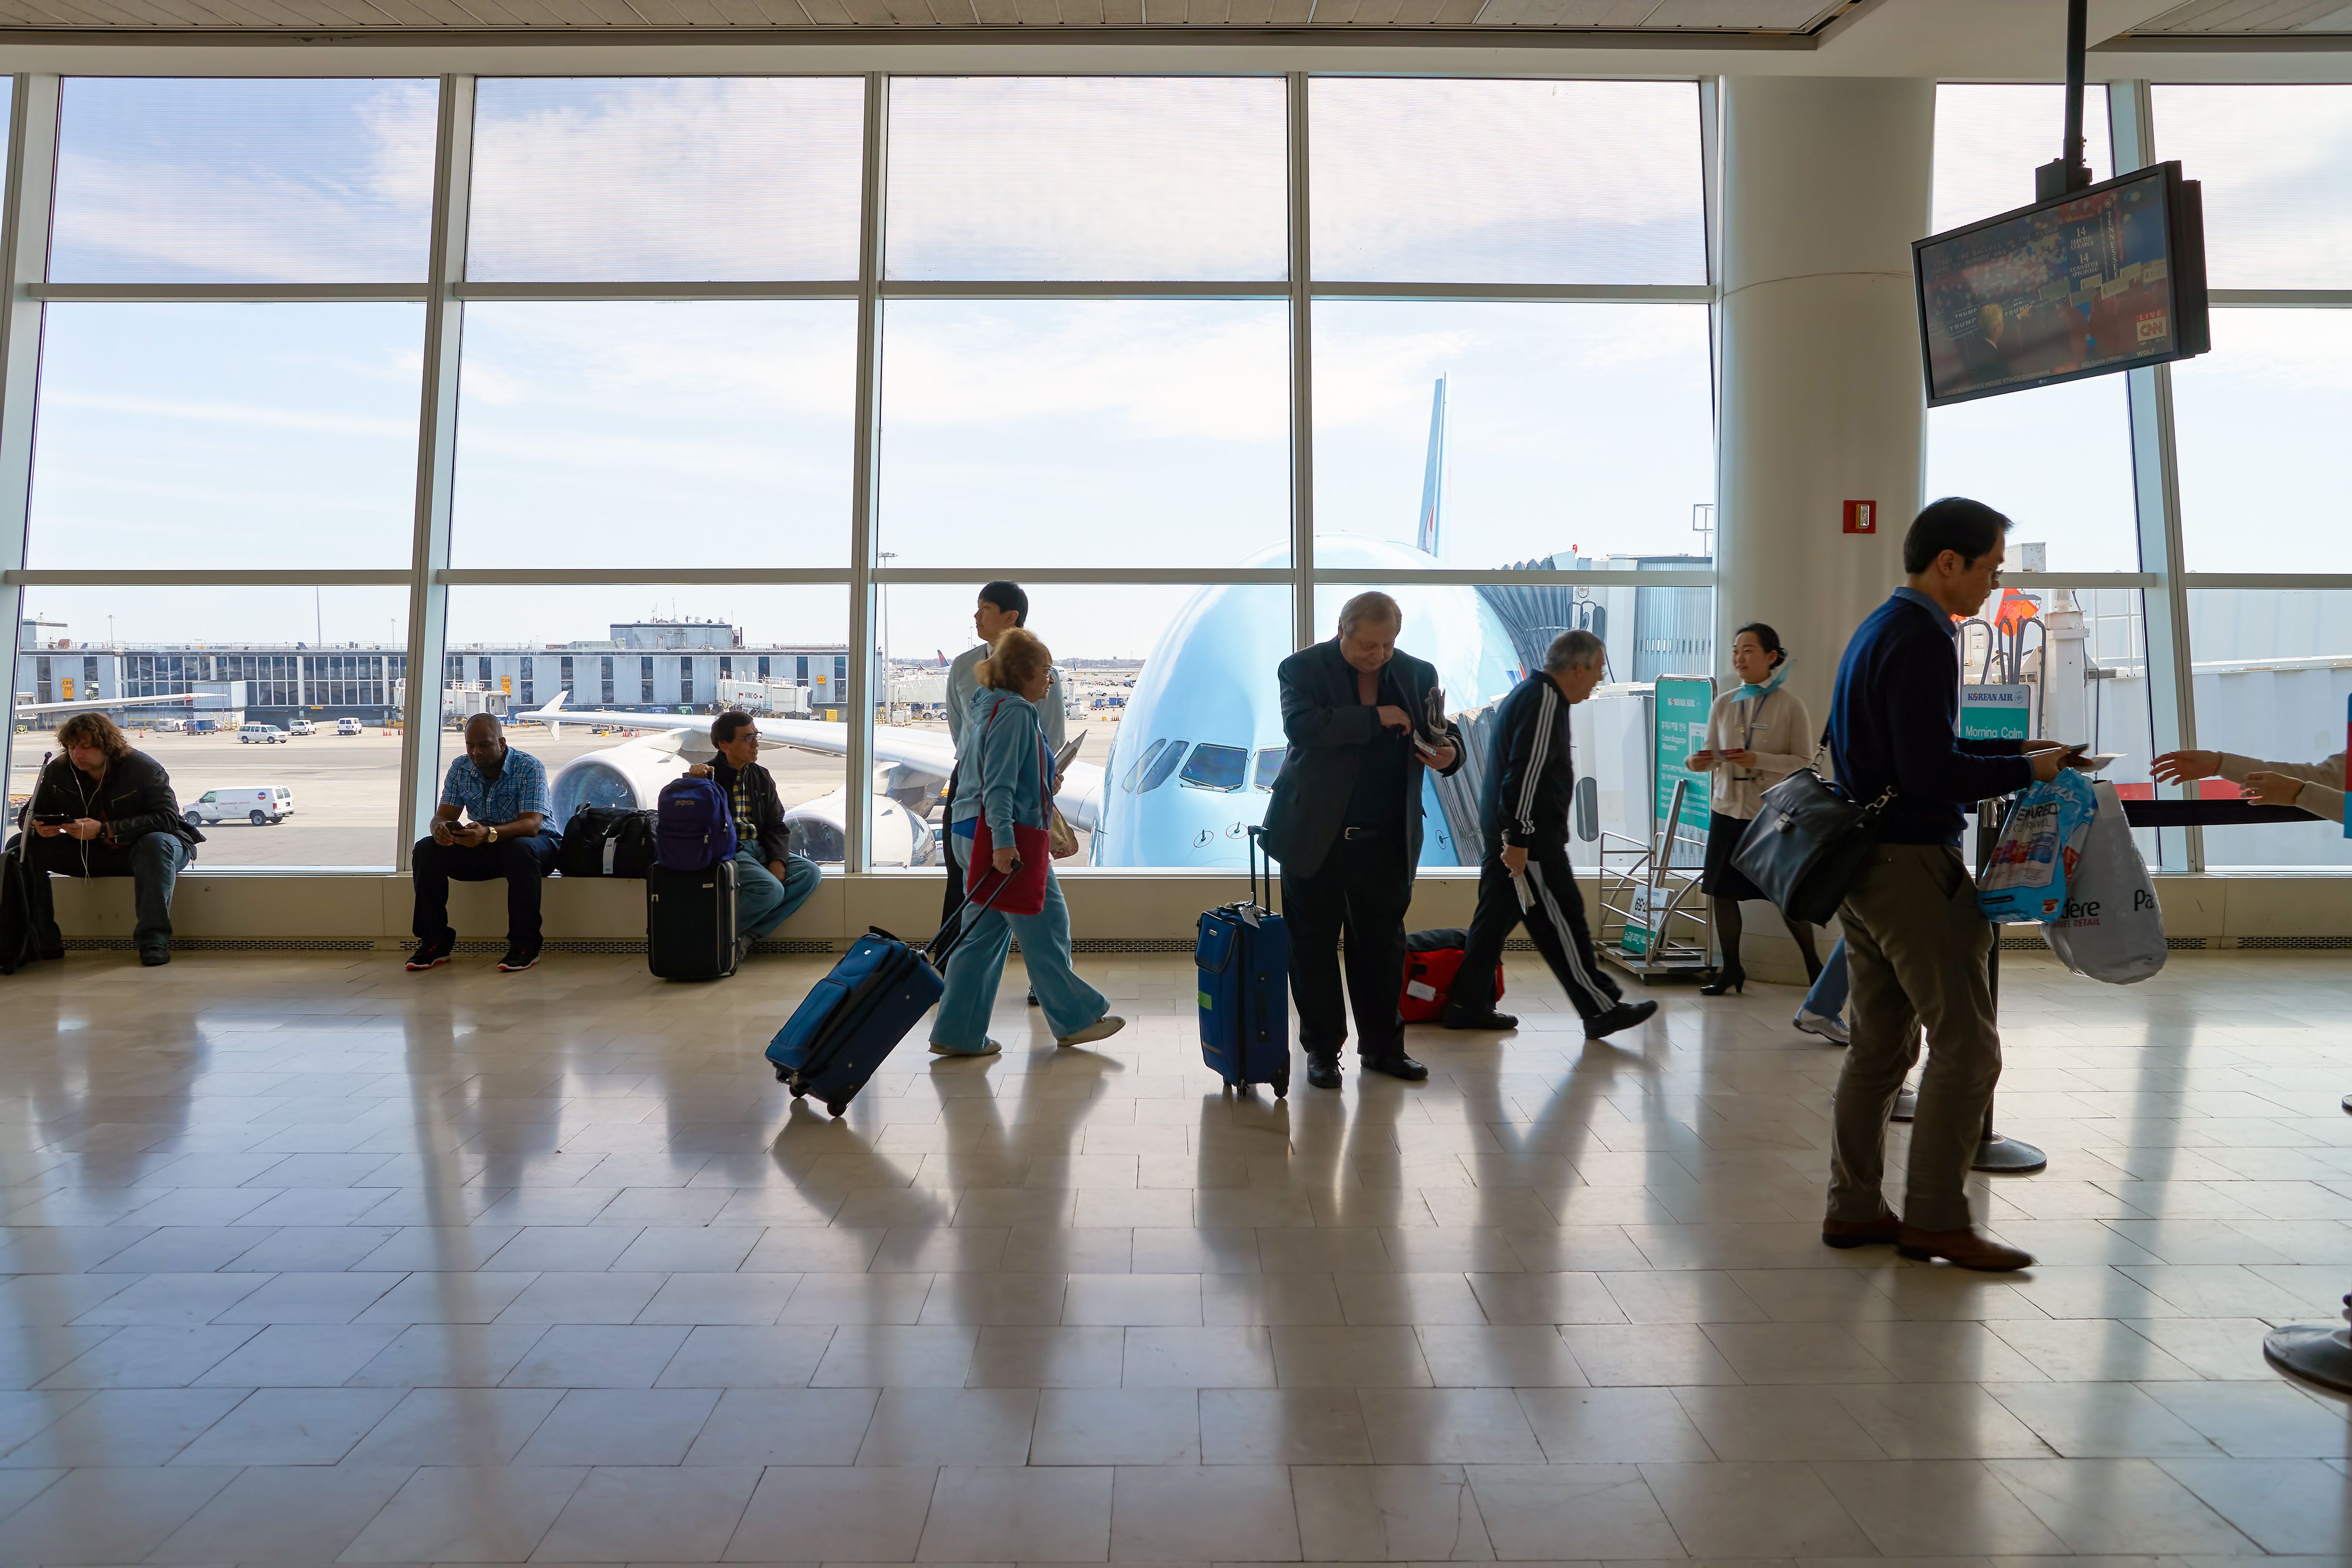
(1930, 762)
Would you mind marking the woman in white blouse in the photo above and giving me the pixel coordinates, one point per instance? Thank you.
(1756, 736)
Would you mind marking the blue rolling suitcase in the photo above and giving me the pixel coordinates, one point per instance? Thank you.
(1243, 953)
(855, 1018)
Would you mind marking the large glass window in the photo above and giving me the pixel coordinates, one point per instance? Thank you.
(2257, 429)
(2276, 165)
(1506, 435)
(242, 696)
(230, 180)
(1169, 695)
(2273, 672)
(1085, 356)
(1125, 178)
(608, 434)
(2073, 494)
(212, 436)
(1506, 181)
(2261, 423)
(650, 667)
(665, 179)
(1107, 433)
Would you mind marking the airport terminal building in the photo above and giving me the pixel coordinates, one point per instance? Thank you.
(666, 667)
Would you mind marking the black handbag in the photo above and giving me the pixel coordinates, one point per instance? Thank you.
(1807, 844)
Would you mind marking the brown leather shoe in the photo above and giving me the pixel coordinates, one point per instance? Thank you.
(1883, 1231)
(1963, 1247)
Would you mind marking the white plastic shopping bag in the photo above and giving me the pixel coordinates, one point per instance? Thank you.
(2112, 929)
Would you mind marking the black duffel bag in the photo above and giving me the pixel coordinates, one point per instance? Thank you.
(604, 841)
(1807, 844)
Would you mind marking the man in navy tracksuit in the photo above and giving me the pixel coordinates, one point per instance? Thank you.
(1915, 939)
(1530, 786)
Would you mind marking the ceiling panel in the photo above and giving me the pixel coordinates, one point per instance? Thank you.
(2207, 17)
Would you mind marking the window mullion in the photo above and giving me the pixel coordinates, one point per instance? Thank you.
(1302, 369)
(857, 803)
(23, 253)
(2155, 490)
(436, 451)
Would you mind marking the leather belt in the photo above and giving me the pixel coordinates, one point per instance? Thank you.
(1362, 833)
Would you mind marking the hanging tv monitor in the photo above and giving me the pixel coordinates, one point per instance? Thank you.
(2105, 278)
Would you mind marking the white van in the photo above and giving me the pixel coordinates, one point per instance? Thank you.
(255, 804)
(348, 727)
(265, 734)
(301, 727)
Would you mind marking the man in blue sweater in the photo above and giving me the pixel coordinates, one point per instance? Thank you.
(1916, 943)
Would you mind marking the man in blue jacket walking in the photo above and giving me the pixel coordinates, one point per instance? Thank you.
(1917, 944)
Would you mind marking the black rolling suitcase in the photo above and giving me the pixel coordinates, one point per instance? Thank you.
(691, 922)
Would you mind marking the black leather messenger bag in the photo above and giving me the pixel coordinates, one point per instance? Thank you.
(1808, 843)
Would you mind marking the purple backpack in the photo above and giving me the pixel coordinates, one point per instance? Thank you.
(694, 829)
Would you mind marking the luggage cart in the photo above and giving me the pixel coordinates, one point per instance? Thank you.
(1654, 924)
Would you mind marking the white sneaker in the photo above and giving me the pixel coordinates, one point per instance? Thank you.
(987, 1048)
(1828, 1028)
(1102, 1028)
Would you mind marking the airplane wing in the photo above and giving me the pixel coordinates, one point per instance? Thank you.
(98, 703)
(926, 751)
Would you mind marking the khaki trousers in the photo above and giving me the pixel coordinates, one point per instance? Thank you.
(1916, 946)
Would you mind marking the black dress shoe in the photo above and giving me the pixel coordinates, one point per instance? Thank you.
(1478, 1021)
(1623, 1016)
(1398, 1066)
(151, 956)
(1323, 1072)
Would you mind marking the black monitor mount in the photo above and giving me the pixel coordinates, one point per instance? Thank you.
(2069, 170)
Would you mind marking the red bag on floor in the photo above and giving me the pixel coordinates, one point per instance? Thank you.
(1432, 960)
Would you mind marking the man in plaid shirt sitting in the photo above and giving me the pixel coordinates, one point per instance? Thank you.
(770, 881)
(502, 795)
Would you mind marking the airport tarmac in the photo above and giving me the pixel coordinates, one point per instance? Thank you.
(345, 785)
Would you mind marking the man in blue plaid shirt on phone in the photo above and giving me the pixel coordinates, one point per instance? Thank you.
(501, 795)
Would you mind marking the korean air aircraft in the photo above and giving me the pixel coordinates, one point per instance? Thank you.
(1197, 747)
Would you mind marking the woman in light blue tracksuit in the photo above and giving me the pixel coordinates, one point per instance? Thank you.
(1009, 781)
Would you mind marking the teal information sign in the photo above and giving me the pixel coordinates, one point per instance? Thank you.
(1679, 728)
(1995, 713)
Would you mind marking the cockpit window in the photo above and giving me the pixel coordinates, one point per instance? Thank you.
(1162, 766)
(1217, 767)
(1142, 762)
(1269, 765)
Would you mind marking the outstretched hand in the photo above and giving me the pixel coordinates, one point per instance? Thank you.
(2186, 768)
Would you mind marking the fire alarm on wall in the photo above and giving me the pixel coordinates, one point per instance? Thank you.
(1862, 517)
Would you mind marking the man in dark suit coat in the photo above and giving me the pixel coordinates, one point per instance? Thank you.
(1345, 823)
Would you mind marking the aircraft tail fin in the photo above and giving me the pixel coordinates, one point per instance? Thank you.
(551, 715)
(1433, 479)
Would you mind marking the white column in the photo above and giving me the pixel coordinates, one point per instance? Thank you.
(1825, 186)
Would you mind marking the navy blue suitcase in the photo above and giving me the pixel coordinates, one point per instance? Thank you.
(1243, 952)
(847, 1025)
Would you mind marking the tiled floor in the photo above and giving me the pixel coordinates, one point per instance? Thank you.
(309, 1260)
